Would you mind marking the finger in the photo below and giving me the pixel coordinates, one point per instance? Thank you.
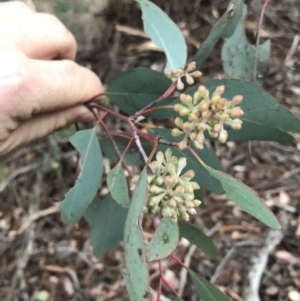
(54, 85)
(39, 36)
(42, 125)
(14, 9)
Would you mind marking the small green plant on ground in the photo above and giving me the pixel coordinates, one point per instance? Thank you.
(177, 163)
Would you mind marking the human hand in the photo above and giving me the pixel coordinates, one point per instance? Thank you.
(39, 95)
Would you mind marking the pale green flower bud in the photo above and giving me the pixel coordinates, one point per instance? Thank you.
(193, 135)
(197, 203)
(236, 124)
(184, 111)
(236, 113)
(200, 138)
(191, 66)
(185, 217)
(155, 165)
(156, 199)
(183, 144)
(189, 189)
(197, 97)
(188, 101)
(155, 189)
(179, 122)
(180, 85)
(198, 145)
(189, 204)
(178, 108)
(174, 218)
(181, 208)
(224, 117)
(213, 134)
(181, 165)
(168, 154)
(219, 90)
(176, 132)
(218, 127)
(172, 203)
(160, 157)
(170, 167)
(216, 99)
(203, 106)
(202, 126)
(192, 211)
(189, 79)
(189, 174)
(237, 99)
(223, 102)
(159, 181)
(193, 117)
(203, 91)
(195, 185)
(223, 136)
(187, 127)
(196, 74)
(175, 71)
(207, 114)
(179, 190)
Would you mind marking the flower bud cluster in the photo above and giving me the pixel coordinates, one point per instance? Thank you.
(206, 113)
(169, 192)
(190, 73)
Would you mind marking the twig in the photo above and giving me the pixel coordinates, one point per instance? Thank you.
(228, 256)
(293, 48)
(36, 215)
(188, 257)
(113, 142)
(18, 172)
(251, 292)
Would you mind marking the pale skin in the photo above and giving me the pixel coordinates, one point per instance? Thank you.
(42, 89)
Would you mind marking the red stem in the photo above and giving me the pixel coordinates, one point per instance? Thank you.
(169, 286)
(113, 142)
(192, 151)
(178, 260)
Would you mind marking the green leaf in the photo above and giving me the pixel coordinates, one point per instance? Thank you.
(238, 56)
(202, 177)
(164, 240)
(134, 89)
(264, 119)
(132, 157)
(165, 34)
(244, 197)
(224, 27)
(107, 220)
(136, 276)
(117, 185)
(205, 290)
(198, 238)
(82, 194)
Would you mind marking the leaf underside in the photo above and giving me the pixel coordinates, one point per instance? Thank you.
(83, 193)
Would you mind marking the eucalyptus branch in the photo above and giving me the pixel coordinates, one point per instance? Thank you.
(113, 142)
